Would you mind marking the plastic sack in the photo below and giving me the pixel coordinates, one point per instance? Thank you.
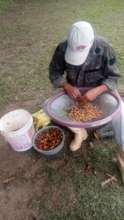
(40, 119)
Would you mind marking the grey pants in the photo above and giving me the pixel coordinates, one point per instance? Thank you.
(115, 128)
(118, 126)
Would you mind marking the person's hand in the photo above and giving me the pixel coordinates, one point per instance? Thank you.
(82, 99)
(92, 94)
(72, 91)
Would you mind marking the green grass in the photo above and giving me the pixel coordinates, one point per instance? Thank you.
(5, 4)
(30, 33)
(69, 193)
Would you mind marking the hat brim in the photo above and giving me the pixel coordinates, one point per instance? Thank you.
(76, 57)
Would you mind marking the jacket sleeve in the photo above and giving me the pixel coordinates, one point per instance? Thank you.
(111, 71)
(57, 66)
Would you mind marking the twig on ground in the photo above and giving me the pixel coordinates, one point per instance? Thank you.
(9, 179)
(110, 179)
(97, 135)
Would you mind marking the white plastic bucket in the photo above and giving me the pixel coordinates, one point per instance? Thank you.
(17, 129)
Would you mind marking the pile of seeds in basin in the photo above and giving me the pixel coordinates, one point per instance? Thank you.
(85, 111)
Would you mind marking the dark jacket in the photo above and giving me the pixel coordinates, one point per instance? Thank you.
(99, 68)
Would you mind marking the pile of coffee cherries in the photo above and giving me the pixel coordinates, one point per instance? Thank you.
(49, 139)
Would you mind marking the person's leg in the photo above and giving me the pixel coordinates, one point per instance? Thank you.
(118, 127)
(80, 134)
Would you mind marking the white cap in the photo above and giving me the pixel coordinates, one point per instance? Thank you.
(80, 40)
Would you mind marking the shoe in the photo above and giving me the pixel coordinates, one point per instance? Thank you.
(74, 146)
(80, 134)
